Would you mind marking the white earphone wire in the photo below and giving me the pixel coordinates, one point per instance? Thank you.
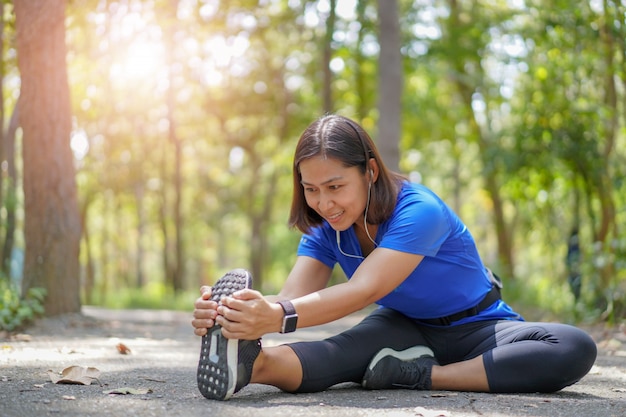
(367, 206)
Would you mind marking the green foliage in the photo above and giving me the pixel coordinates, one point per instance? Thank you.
(153, 296)
(15, 310)
(518, 93)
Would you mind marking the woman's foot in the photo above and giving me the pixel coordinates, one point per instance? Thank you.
(225, 365)
(410, 368)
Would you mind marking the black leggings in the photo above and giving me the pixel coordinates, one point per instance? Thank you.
(518, 356)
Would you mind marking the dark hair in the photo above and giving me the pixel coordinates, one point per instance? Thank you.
(339, 138)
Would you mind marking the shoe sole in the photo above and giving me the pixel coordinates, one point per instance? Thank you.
(217, 367)
(403, 355)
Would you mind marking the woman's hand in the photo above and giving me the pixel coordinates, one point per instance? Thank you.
(204, 313)
(248, 315)
(245, 315)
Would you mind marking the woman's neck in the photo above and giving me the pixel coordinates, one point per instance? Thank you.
(366, 238)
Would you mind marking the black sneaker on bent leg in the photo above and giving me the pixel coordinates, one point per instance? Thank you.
(410, 368)
(225, 365)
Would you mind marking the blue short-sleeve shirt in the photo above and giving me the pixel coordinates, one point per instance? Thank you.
(450, 278)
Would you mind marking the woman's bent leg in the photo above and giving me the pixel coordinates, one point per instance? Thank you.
(468, 375)
(504, 356)
(538, 357)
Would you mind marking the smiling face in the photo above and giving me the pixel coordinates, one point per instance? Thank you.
(337, 193)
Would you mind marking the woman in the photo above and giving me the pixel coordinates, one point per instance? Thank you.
(441, 323)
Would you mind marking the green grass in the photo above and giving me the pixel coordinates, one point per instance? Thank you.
(154, 296)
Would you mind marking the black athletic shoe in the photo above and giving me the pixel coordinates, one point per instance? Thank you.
(410, 368)
(225, 365)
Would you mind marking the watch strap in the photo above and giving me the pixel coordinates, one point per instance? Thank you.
(290, 319)
(288, 307)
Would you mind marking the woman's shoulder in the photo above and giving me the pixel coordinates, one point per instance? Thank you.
(321, 231)
(413, 195)
(415, 189)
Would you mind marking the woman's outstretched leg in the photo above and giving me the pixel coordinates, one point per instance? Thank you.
(315, 366)
(278, 366)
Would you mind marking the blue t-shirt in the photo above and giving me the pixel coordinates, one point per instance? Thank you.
(450, 278)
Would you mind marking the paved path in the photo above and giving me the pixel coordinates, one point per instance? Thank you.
(163, 360)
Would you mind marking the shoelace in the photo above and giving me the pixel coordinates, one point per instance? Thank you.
(410, 375)
(415, 375)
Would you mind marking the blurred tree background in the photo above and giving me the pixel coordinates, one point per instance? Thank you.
(185, 114)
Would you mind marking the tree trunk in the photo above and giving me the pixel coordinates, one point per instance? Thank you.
(52, 223)
(390, 83)
(259, 241)
(168, 269)
(360, 77)
(483, 138)
(328, 52)
(140, 279)
(89, 273)
(10, 199)
(2, 134)
(178, 263)
(608, 230)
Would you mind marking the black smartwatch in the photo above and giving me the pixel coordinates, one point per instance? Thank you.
(290, 320)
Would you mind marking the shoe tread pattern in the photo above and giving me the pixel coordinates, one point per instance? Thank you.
(215, 380)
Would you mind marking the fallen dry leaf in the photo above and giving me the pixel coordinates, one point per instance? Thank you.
(132, 391)
(443, 395)
(21, 337)
(423, 412)
(149, 378)
(75, 375)
(123, 349)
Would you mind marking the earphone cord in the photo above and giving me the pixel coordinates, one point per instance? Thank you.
(367, 206)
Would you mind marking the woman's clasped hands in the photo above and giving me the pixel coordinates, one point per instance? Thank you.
(246, 315)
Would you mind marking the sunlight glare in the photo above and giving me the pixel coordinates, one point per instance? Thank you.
(346, 9)
(337, 65)
(136, 45)
(314, 16)
(79, 144)
(142, 59)
(209, 9)
(221, 53)
(235, 159)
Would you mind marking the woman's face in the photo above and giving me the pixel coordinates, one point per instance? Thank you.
(336, 193)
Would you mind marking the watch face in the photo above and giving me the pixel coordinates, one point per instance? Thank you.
(290, 323)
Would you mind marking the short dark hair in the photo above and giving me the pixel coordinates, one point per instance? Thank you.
(339, 138)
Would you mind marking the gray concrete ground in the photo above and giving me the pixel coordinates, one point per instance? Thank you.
(163, 360)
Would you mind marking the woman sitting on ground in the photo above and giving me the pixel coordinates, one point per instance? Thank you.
(440, 323)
